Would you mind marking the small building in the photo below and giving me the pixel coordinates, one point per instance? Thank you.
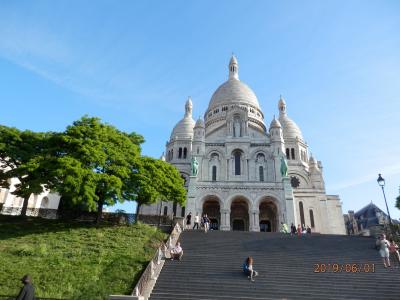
(369, 220)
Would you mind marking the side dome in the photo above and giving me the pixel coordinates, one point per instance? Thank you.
(184, 128)
(290, 130)
(233, 91)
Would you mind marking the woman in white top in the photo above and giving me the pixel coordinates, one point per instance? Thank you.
(383, 244)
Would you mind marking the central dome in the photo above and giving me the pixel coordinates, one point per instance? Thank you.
(233, 90)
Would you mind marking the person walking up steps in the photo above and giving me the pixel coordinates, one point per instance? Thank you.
(383, 244)
(196, 222)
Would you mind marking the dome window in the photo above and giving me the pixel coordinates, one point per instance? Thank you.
(287, 153)
(180, 153)
(293, 156)
(184, 152)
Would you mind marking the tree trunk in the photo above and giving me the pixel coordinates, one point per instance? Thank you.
(99, 212)
(25, 206)
(137, 211)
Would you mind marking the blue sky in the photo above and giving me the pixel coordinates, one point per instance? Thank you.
(133, 64)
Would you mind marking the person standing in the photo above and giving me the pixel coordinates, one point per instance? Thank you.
(196, 221)
(27, 291)
(188, 220)
(206, 222)
(383, 244)
(298, 230)
(292, 229)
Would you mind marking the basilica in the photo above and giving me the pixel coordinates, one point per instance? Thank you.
(239, 183)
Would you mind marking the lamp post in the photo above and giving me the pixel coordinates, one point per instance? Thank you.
(381, 183)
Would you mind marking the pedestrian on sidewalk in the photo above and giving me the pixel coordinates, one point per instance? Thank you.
(27, 291)
(196, 221)
(248, 269)
(298, 230)
(188, 220)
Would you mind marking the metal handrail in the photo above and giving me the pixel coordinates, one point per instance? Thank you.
(161, 253)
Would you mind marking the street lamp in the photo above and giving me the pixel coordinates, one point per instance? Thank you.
(381, 183)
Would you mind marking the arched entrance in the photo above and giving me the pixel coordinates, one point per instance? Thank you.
(239, 214)
(268, 215)
(211, 207)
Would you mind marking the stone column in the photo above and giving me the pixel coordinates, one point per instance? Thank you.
(191, 198)
(254, 220)
(225, 220)
(288, 205)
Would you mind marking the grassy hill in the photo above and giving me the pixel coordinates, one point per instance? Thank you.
(72, 260)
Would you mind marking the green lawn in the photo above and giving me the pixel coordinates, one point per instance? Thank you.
(72, 260)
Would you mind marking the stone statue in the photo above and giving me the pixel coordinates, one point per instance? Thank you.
(195, 166)
(284, 167)
(236, 128)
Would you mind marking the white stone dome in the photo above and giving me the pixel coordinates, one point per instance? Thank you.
(233, 91)
(290, 130)
(184, 128)
(275, 123)
(199, 123)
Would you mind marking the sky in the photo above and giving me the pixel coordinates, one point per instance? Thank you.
(134, 63)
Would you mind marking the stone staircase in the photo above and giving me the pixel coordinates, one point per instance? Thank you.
(212, 268)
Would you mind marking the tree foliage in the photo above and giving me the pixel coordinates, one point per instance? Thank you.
(157, 180)
(90, 164)
(95, 162)
(23, 155)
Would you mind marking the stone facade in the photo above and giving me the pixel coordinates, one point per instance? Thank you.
(239, 184)
(43, 205)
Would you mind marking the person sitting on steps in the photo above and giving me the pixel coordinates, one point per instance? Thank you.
(248, 269)
(176, 252)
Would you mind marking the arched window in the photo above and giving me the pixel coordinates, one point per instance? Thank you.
(180, 153)
(183, 212)
(165, 210)
(312, 218)
(172, 154)
(293, 154)
(261, 170)
(237, 156)
(198, 150)
(214, 173)
(184, 152)
(287, 153)
(174, 209)
(301, 213)
(45, 202)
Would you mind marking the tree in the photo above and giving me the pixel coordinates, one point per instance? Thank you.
(23, 156)
(95, 161)
(156, 180)
(398, 200)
